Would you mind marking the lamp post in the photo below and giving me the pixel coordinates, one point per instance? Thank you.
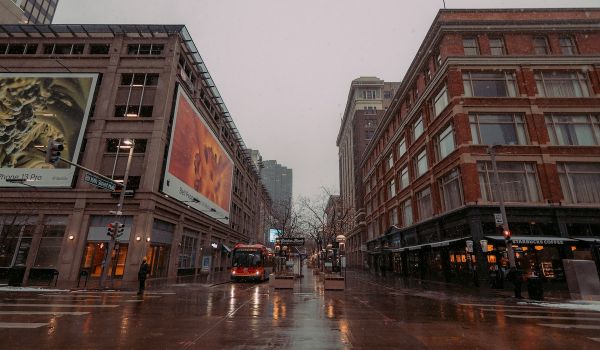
(505, 228)
(127, 143)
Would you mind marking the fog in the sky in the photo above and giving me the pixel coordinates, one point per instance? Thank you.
(284, 67)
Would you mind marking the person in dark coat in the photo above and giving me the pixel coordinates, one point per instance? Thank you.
(142, 274)
(516, 277)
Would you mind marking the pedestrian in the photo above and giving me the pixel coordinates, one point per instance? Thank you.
(142, 274)
(515, 275)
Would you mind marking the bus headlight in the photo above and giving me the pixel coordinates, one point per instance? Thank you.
(257, 273)
(233, 272)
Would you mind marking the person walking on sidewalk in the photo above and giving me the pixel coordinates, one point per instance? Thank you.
(142, 274)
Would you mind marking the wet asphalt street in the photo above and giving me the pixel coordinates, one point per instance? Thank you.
(367, 315)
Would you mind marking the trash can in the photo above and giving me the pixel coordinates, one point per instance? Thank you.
(535, 289)
(15, 276)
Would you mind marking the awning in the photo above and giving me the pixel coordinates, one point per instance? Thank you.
(541, 240)
(588, 239)
(225, 248)
(432, 245)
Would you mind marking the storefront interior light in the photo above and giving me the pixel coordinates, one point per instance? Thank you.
(573, 248)
(539, 247)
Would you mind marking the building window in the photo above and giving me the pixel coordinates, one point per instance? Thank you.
(489, 84)
(451, 190)
(99, 49)
(145, 49)
(370, 110)
(139, 79)
(471, 46)
(391, 188)
(421, 165)
(444, 143)
(64, 49)
(404, 179)
(50, 244)
(580, 182)
(394, 217)
(498, 129)
(18, 49)
(369, 94)
(440, 101)
(497, 47)
(187, 250)
(390, 161)
(370, 123)
(574, 130)
(518, 182)
(424, 204)
(540, 45)
(369, 134)
(567, 45)
(387, 94)
(112, 145)
(418, 128)
(16, 234)
(133, 111)
(401, 147)
(562, 84)
(407, 216)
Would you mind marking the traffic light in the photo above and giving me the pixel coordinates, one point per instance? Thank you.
(119, 229)
(53, 151)
(506, 234)
(111, 229)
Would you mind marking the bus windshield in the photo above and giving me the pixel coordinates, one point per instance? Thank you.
(247, 258)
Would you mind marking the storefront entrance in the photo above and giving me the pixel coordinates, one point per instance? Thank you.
(93, 259)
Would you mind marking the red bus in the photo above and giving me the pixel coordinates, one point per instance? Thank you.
(251, 262)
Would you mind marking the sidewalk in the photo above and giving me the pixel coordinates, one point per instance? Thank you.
(426, 286)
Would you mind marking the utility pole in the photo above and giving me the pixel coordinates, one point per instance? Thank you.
(118, 213)
(505, 228)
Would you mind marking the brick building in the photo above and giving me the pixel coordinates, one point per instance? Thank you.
(142, 73)
(368, 99)
(524, 80)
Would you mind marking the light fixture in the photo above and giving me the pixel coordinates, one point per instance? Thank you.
(71, 237)
(147, 239)
(214, 245)
(138, 238)
(128, 142)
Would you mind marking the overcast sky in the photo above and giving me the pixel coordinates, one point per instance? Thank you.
(284, 67)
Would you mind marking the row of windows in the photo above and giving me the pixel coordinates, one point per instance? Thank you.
(496, 129)
(78, 49)
(540, 46)
(518, 183)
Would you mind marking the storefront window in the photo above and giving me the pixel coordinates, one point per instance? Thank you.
(16, 235)
(51, 242)
(94, 256)
(187, 250)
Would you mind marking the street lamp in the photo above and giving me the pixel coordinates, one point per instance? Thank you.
(505, 229)
(125, 144)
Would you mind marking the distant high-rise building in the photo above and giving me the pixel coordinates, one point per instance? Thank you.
(278, 180)
(11, 13)
(37, 11)
(256, 159)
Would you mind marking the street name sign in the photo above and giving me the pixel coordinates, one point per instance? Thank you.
(293, 241)
(99, 182)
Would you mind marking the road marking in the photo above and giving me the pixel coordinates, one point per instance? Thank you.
(510, 306)
(575, 318)
(567, 326)
(56, 305)
(595, 339)
(57, 313)
(21, 325)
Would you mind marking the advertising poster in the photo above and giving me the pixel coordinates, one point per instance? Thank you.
(36, 107)
(273, 234)
(199, 171)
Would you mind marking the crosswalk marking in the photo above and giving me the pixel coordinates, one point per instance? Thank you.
(21, 325)
(509, 306)
(57, 305)
(54, 313)
(555, 317)
(567, 326)
(595, 339)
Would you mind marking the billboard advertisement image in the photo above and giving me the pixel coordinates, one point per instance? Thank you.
(37, 107)
(199, 171)
(273, 235)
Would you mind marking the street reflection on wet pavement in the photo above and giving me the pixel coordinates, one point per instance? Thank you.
(369, 314)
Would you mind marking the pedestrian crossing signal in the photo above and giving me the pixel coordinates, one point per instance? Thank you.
(506, 234)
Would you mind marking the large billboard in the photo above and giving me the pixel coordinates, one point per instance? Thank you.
(36, 107)
(273, 235)
(199, 170)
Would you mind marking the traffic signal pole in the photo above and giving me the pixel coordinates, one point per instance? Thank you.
(118, 213)
(505, 228)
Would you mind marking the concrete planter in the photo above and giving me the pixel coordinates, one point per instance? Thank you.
(334, 282)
